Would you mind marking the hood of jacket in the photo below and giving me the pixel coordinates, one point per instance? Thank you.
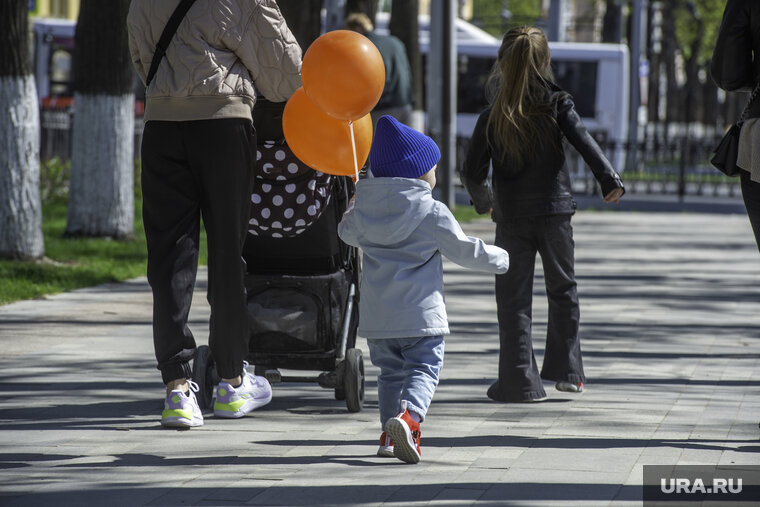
(389, 210)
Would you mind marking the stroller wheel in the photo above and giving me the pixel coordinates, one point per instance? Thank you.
(204, 374)
(353, 381)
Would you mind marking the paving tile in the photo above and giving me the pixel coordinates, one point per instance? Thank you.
(669, 382)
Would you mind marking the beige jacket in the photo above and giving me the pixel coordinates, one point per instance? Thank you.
(223, 53)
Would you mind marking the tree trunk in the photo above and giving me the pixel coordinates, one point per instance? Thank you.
(404, 24)
(101, 192)
(713, 115)
(653, 56)
(20, 205)
(693, 87)
(304, 19)
(669, 59)
(612, 24)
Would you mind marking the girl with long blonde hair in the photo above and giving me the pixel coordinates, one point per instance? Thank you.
(515, 170)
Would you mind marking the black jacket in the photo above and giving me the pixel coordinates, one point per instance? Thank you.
(541, 186)
(733, 68)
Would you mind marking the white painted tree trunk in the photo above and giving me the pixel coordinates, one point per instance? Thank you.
(20, 205)
(101, 191)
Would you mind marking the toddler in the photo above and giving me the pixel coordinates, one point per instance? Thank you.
(402, 232)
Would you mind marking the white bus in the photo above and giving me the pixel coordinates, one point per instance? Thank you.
(595, 74)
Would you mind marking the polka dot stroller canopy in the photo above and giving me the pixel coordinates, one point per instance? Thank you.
(288, 196)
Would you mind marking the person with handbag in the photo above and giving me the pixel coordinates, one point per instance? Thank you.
(520, 136)
(735, 67)
(202, 76)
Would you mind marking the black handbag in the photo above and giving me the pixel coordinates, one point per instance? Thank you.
(725, 155)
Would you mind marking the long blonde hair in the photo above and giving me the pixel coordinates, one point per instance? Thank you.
(520, 119)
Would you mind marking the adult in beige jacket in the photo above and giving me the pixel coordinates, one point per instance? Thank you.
(198, 157)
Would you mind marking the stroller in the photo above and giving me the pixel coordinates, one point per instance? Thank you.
(302, 284)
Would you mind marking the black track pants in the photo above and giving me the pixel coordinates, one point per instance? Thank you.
(552, 238)
(192, 169)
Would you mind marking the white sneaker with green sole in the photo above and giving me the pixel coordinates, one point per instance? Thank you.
(181, 409)
(234, 402)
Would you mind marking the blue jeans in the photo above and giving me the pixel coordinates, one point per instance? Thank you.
(409, 369)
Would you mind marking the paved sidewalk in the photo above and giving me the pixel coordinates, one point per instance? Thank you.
(670, 322)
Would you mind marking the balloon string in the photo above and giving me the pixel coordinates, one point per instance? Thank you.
(353, 147)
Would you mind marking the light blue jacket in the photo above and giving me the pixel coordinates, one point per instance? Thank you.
(402, 232)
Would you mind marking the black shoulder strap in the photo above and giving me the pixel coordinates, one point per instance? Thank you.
(166, 37)
(752, 97)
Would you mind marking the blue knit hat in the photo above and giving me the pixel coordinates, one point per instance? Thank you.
(401, 151)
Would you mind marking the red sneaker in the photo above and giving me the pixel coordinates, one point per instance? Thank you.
(386, 446)
(405, 433)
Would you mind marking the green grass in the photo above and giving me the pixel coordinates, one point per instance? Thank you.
(72, 263)
(465, 214)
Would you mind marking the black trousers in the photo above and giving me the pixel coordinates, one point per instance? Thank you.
(551, 237)
(751, 196)
(192, 169)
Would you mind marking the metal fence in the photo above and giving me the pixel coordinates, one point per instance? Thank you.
(677, 165)
(55, 134)
(674, 166)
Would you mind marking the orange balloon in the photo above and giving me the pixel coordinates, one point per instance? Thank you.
(321, 141)
(343, 74)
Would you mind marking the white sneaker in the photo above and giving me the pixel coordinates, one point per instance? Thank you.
(181, 409)
(386, 446)
(234, 402)
(569, 387)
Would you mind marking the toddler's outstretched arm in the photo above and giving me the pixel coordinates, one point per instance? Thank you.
(466, 251)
